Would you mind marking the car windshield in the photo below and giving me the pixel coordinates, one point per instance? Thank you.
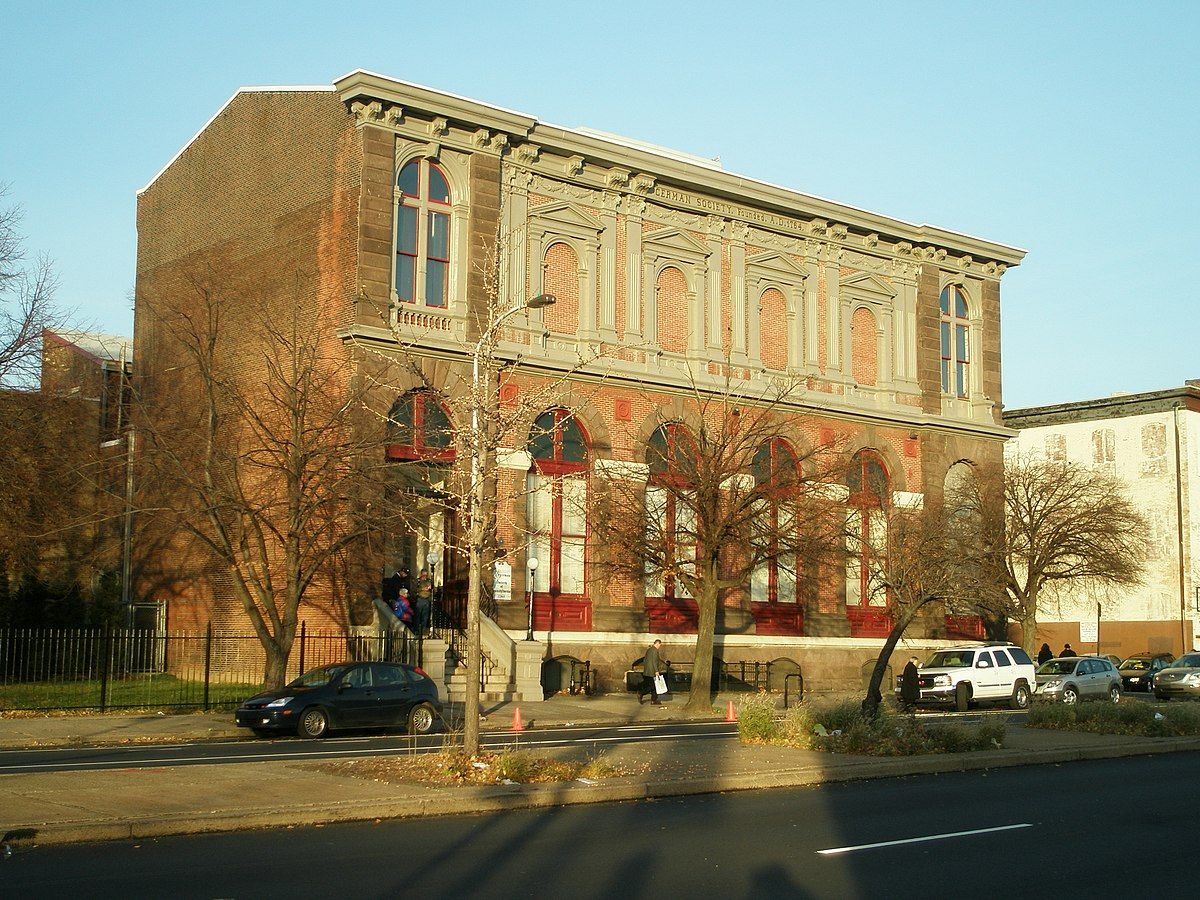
(318, 677)
(950, 659)
(1191, 661)
(1137, 663)
(1057, 667)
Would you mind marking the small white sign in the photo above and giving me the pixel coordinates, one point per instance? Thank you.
(1088, 632)
(502, 582)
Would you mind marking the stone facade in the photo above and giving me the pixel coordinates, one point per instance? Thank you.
(1151, 442)
(667, 271)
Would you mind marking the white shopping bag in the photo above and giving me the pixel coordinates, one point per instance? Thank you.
(660, 684)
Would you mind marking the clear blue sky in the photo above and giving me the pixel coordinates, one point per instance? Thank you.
(1068, 129)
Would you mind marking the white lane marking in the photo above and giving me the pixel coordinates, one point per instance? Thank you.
(930, 837)
(273, 757)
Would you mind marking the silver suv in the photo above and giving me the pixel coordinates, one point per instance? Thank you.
(983, 673)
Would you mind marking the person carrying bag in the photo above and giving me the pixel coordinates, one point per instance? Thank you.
(653, 679)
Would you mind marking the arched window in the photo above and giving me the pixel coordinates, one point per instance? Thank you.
(956, 350)
(866, 527)
(671, 457)
(776, 473)
(557, 491)
(422, 235)
(419, 428)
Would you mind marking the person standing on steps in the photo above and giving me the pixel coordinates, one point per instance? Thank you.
(653, 665)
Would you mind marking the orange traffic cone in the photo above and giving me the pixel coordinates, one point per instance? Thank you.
(730, 713)
(517, 724)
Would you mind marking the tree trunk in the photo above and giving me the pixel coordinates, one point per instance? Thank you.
(1028, 625)
(474, 644)
(700, 696)
(870, 704)
(275, 670)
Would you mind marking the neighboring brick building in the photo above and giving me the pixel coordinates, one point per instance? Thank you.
(1151, 442)
(394, 194)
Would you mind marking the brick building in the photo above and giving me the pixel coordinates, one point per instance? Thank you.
(1151, 442)
(403, 199)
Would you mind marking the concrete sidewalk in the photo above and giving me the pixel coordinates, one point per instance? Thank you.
(106, 805)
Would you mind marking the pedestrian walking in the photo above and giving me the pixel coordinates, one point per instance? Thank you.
(910, 684)
(1045, 654)
(653, 666)
(1068, 650)
(424, 599)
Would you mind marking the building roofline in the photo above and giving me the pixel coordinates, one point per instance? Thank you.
(242, 90)
(1118, 406)
(670, 165)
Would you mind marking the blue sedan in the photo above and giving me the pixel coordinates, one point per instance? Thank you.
(346, 695)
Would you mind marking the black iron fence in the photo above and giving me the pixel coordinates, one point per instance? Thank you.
(132, 668)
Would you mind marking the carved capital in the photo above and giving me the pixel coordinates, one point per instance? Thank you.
(871, 240)
(366, 110)
(481, 138)
(739, 231)
(904, 248)
(818, 227)
(989, 268)
(966, 261)
(573, 165)
(715, 226)
(617, 177)
(439, 126)
(643, 184)
(838, 232)
(395, 115)
(635, 206)
(528, 153)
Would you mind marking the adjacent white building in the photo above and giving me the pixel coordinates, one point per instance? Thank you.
(1151, 441)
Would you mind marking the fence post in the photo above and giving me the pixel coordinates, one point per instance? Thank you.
(106, 657)
(303, 636)
(207, 662)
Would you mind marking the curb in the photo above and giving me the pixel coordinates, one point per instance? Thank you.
(504, 798)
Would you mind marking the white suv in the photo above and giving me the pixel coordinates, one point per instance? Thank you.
(984, 673)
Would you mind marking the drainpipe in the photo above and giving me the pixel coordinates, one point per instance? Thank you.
(1184, 623)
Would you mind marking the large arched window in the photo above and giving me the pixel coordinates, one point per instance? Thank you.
(419, 428)
(956, 350)
(866, 527)
(671, 458)
(557, 490)
(776, 474)
(422, 235)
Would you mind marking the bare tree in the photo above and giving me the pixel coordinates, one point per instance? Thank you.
(741, 486)
(917, 564)
(1043, 525)
(26, 304)
(254, 446)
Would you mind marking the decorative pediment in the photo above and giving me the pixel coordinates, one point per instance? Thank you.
(779, 265)
(868, 287)
(565, 217)
(677, 243)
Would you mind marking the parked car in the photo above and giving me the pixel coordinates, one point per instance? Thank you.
(987, 673)
(1074, 678)
(345, 695)
(1139, 670)
(1180, 679)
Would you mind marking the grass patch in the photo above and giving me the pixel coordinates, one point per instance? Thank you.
(1137, 719)
(452, 769)
(152, 691)
(841, 727)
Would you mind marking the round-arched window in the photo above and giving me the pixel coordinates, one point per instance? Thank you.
(557, 503)
(422, 240)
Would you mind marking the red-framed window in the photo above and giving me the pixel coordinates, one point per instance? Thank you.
(557, 506)
(671, 458)
(776, 474)
(419, 428)
(422, 235)
(956, 342)
(866, 527)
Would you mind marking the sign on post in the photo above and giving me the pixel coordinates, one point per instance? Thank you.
(1088, 632)
(502, 582)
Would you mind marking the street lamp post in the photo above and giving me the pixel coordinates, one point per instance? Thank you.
(531, 564)
(481, 359)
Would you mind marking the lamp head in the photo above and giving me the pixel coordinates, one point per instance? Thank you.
(541, 300)
(532, 563)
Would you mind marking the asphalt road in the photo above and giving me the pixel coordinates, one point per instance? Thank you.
(1041, 831)
(14, 762)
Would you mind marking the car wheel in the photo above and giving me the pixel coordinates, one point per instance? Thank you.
(420, 719)
(1114, 694)
(1070, 695)
(962, 696)
(1020, 697)
(314, 723)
